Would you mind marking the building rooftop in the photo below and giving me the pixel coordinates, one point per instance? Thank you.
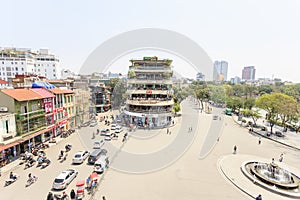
(43, 92)
(3, 82)
(60, 91)
(22, 94)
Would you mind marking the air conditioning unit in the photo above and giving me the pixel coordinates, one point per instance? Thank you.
(3, 109)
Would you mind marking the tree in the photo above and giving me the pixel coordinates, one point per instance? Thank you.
(249, 103)
(254, 114)
(275, 106)
(235, 103)
(176, 108)
(287, 109)
(201, 95)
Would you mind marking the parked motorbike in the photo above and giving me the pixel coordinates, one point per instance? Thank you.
(31, 181)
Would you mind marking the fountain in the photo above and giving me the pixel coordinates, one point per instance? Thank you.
(273, 177)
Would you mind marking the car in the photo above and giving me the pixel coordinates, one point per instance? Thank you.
(80, 156)
(279, 134)
(85, 124)
(64, 179)
(104, 131)
(94, 156)
(93, 124)
(101, 164)
(113, 126)
(108, 137)
(215, 117)
(98, 144)
(118, 129)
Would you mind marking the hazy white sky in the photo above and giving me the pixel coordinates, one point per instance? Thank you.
(263, 33)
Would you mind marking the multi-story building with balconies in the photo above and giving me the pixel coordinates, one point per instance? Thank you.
(24, 61)
(150, 95)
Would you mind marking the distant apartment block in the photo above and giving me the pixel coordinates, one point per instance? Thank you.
(220, 71)
(248, 73)
(24, 61)
(235, 80)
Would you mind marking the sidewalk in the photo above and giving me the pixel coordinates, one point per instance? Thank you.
(290, 139)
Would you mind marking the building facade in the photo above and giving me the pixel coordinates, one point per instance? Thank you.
(150, 95)
(29, 117)
(24, 61)
(248, 73)
(220, 71)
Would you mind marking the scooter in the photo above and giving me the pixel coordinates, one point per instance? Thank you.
(29, 163)
(63, 196)
(46, 163)
(64, 157)
(68, 147)
(31, 181)
(11, 180)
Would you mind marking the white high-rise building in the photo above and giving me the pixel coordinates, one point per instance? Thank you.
(47, 65)
(15, 61)
(220, 71)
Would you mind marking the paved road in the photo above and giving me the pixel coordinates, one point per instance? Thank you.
(215, 131)
(40, 189)
(147, 162)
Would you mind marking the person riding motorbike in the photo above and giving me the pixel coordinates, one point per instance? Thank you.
(12, 176)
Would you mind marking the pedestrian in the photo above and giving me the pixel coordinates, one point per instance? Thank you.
(281, 157)
(72, 194)
(103, 198)
(167, 130)
(259, 140)
(258, 197)
(234, 149)
(50, 196)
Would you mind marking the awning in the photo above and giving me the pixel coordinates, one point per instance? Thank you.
(3, 147)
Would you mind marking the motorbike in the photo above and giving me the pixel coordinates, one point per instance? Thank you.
(64, 157)
(31, 181)
(63, 196)
(11, 180)
(46, 163)
(68, 147)
(29, 163)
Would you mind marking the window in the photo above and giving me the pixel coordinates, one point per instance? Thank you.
(16, 62)
(53, 70)
(34, 107)
(22, 69)
(53, 65)
(45, 70)
(38, 70)
(16, 68)
(22, 63)
(8, 68)
(3, 63)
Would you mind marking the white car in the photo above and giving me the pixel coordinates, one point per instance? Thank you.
(80, 156)
(118, 129)
(98, 144)
(101, 164)
(108, 136)
(64, 179)
(113, 126)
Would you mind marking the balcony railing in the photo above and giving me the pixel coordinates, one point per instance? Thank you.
(151, 111)
(150, 102)
(24, 116)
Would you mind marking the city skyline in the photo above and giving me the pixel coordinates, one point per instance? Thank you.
(225, 30)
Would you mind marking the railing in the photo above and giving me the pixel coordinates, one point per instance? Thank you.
(30, 115)
(150, 102)
(158, 111)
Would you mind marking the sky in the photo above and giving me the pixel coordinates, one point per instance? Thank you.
(262, 33)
